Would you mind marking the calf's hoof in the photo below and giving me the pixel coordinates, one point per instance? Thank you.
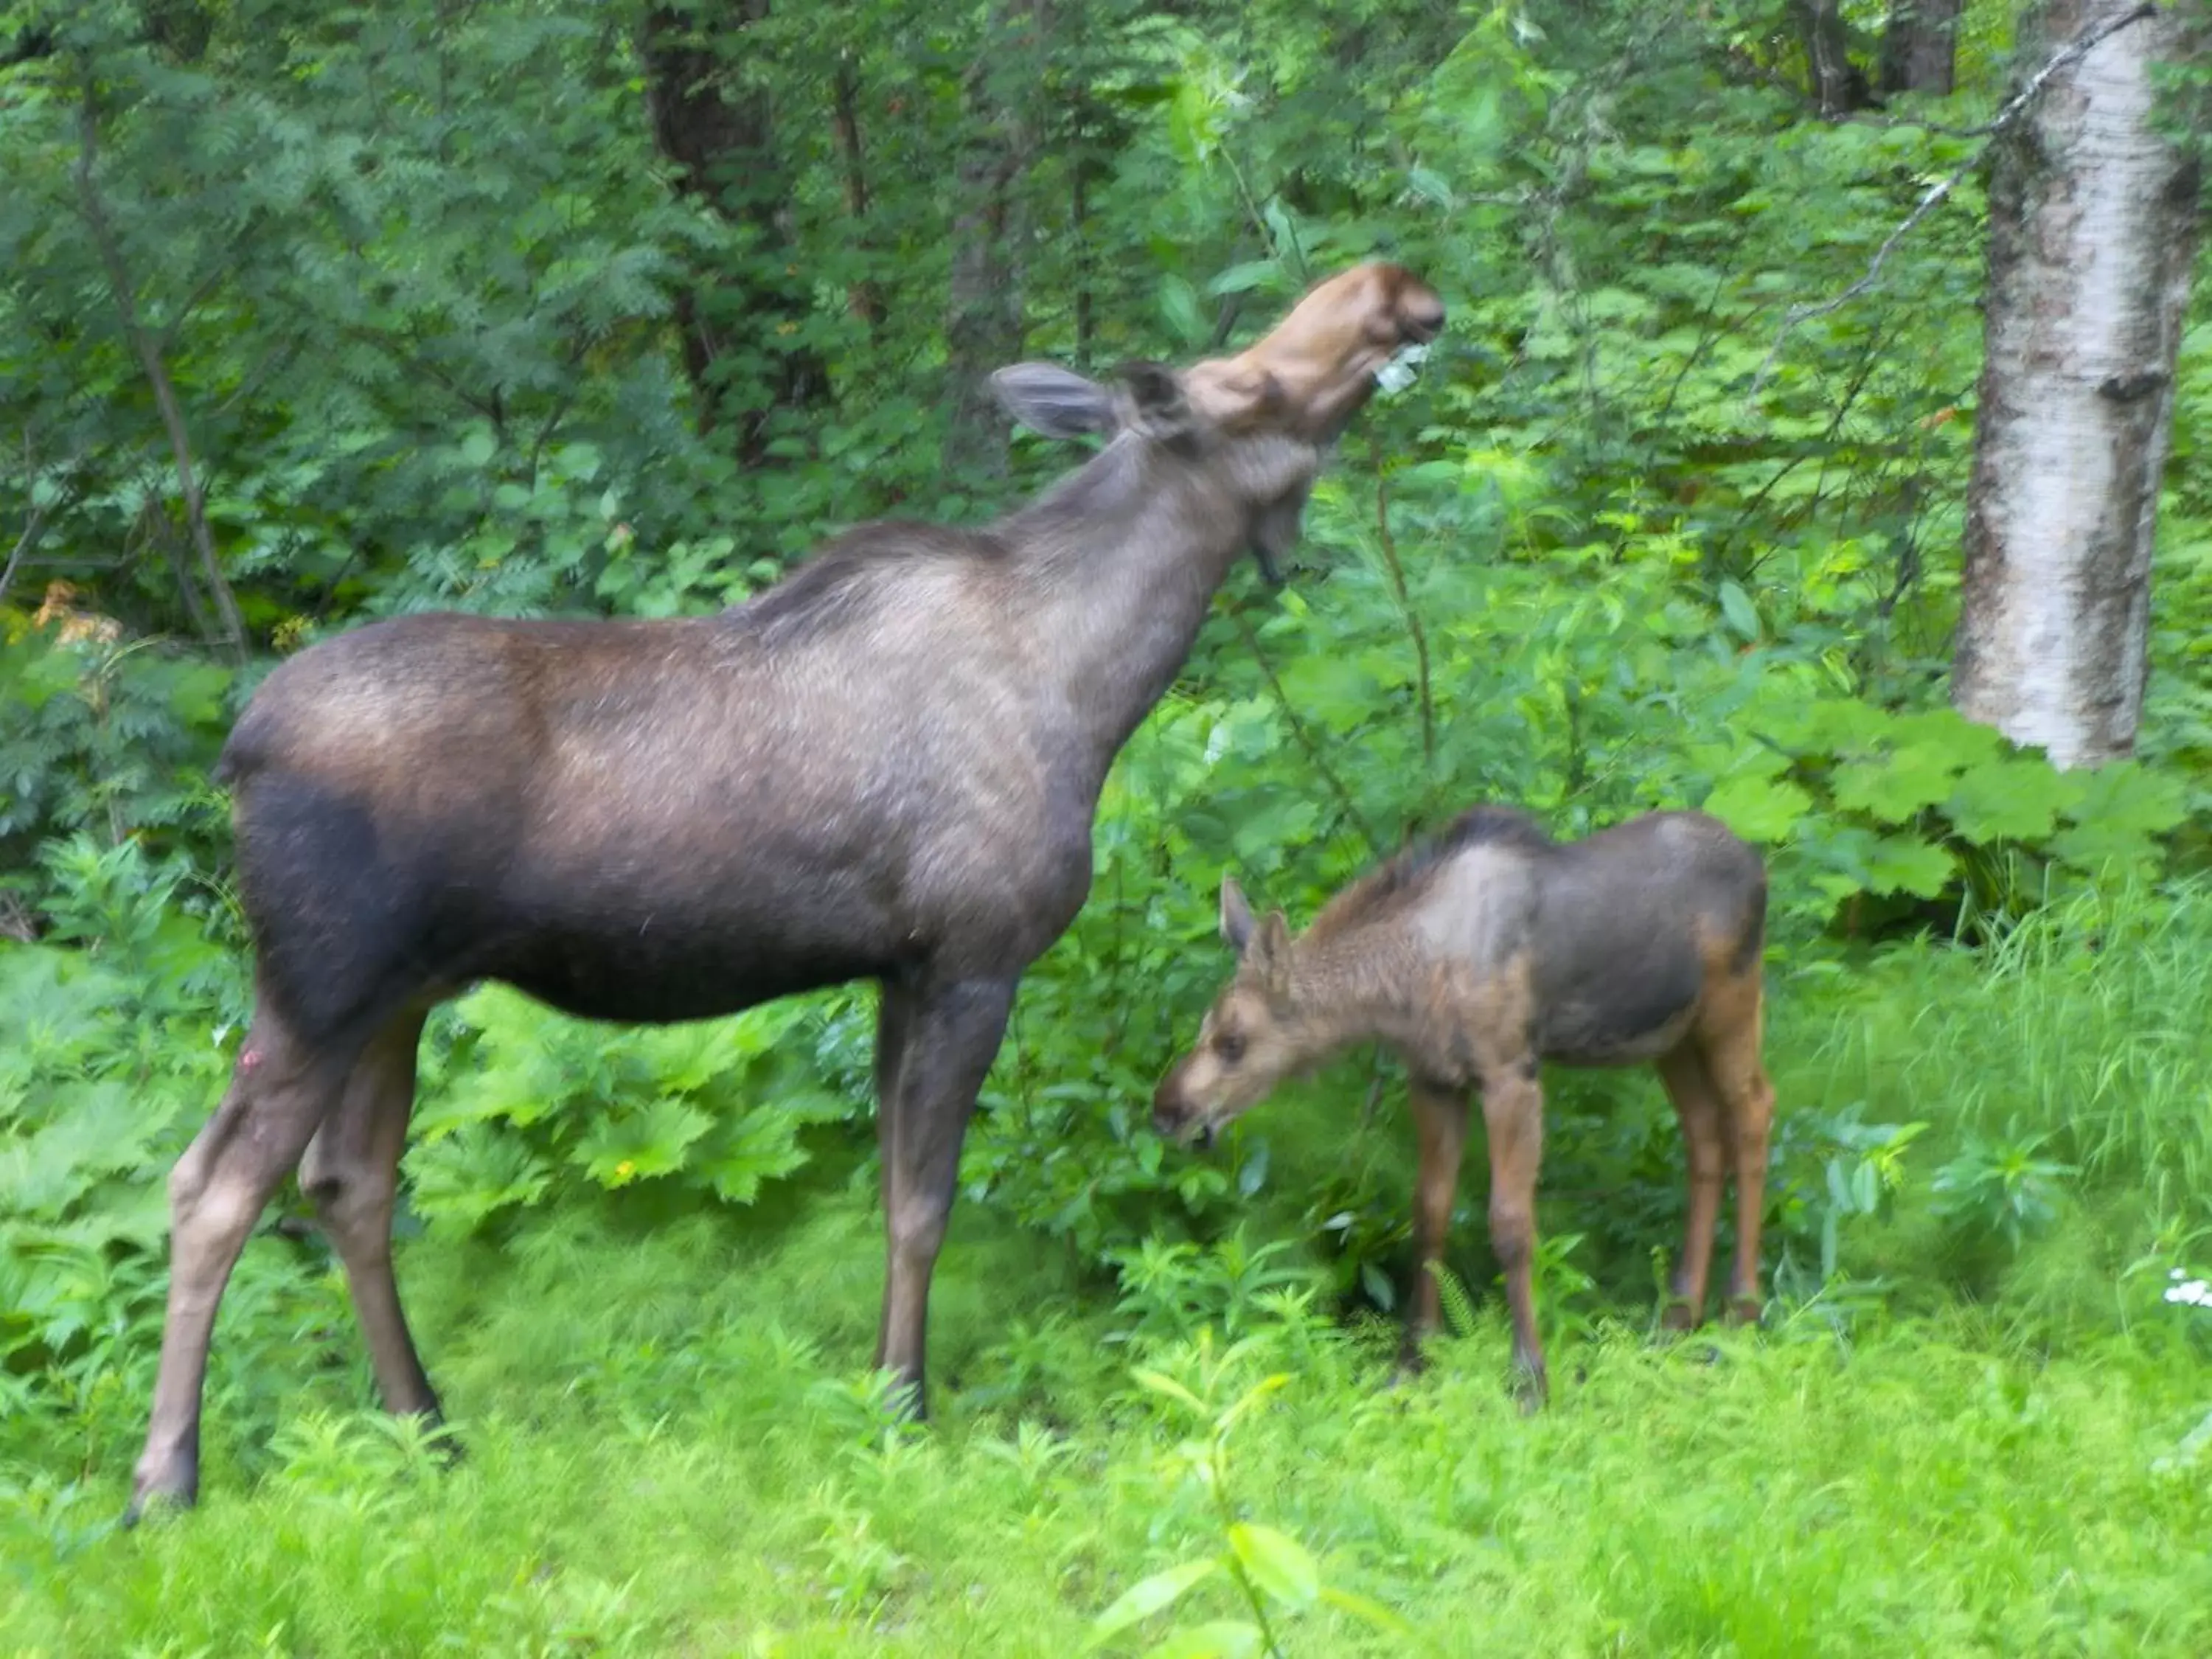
(1745, 1310)
(1679, 1316)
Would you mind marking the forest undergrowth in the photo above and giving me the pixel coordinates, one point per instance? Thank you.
(1672, 518)
(1992, 1435)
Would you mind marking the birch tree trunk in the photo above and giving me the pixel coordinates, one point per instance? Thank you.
(2093, 231)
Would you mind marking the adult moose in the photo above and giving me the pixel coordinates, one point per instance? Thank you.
(885, 767)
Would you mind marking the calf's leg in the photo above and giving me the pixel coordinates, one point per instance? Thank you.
(351, 1171)
(279, 1089)
(1731, 1037)
(947, 1034)
(1513, 1115)
(1440, 1115)
(1705, 1142)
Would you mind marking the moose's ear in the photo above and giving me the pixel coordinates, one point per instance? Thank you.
(1270, 954)
(1236, 915)
(1051, 401)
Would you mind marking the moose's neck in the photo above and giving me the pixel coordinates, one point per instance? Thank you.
(1131, 552)
(1359, 984)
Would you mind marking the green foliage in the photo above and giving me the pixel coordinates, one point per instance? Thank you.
(1273, 1574)
(516, 1095)
(656, 1460)
(113, 738)
(1925, 806)
(420, 288)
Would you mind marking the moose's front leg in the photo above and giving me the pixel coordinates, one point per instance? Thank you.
(945, 1034)
(1440, 1126)
(1513, 1114)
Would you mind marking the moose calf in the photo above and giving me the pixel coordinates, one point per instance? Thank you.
(1477, 954)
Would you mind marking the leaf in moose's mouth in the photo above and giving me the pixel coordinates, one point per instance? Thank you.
(1395, 375)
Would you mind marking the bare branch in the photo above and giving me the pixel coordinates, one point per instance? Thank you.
(24, 543)
(1349, 807)
(2070, 52)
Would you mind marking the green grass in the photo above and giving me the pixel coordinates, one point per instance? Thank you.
(670, 1451)
(673, 1449)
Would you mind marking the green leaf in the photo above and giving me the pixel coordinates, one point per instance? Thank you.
(2128, 795)
(1241, 279)
(1179, 305)
(1160, 1383)
(1897, 787)
(1254, 1174)
(650, 1142)
(1217, 1638)
(1426, 182)
(1147, 1596)
(1277, 1563)
(2010, 800)
(1908, 864)
(1947, 729)
(1364, 1607)
(1759, 809)
(1377, 1286)
(1743, 614)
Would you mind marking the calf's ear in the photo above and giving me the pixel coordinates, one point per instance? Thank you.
(1236, 915)
(1270, 954)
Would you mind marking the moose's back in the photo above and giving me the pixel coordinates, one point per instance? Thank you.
(643, 820)
(1633, 923)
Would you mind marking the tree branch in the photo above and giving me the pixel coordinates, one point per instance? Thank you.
(1313, 750)
(149, 356)
(1388, 543)
(24, 543)
(1935, 193)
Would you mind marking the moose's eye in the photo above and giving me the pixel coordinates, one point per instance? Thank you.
(1229, 1045)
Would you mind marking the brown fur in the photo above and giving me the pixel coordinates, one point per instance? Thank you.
(885, 767)
(1477, 954)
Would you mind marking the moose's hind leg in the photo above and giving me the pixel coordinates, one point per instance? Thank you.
(281, 1086)
(1513, 1115)
(1730, 1034)
(351, 1171)
(1704, 1147)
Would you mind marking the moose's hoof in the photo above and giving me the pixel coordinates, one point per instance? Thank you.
(1532, 1392)
(446, 1447)
(1745, 1310)
(1677, 1317)
(171, 1489)
(1412, 1364)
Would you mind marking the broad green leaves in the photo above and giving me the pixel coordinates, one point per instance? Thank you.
(1882, 803)
(716, 1105)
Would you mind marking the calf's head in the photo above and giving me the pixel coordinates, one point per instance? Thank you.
(1262, 420)
(1254, 1037)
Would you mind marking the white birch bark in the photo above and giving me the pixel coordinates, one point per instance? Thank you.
(2093, 231)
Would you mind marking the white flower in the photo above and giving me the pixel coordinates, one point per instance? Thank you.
(2189, 1292)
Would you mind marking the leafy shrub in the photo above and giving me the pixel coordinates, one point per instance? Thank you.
(515, 1097)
